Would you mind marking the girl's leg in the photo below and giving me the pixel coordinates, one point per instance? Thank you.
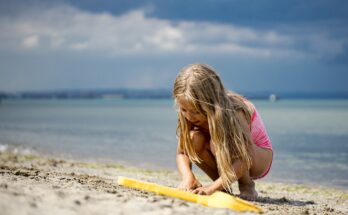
(202, 148)
(261, 161)
(247, 187)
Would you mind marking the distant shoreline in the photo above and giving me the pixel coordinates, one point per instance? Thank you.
(157, 94)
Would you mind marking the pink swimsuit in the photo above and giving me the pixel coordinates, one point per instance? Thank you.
(260, 136)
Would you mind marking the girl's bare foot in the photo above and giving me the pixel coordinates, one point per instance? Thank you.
(247, 191)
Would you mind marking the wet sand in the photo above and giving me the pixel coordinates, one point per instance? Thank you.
(45, 185)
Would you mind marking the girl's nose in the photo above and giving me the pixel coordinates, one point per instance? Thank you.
(189, 117)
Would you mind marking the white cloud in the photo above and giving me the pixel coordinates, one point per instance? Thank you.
(65, 28)
(31, 41)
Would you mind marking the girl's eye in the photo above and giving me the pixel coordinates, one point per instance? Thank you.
(191, 112)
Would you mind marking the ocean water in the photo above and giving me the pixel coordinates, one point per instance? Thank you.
(310, 137)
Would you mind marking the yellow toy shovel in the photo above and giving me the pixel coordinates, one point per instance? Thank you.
(217, 199)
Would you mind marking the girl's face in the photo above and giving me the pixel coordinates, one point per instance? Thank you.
(190, 112)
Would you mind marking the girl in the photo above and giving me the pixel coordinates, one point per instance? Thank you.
(221, 132)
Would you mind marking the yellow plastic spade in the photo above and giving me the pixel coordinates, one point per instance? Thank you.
(217, 199)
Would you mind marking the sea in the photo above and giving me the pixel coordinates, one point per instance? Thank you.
(309, 137)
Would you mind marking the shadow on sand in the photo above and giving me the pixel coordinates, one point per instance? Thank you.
(283, 201)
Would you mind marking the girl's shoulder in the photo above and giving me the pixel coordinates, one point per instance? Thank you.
(249, 105)
(236, 97)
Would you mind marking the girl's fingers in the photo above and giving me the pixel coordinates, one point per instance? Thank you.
(199, 191)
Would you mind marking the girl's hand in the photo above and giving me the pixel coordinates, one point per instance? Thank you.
(206, 190)
(189, 183)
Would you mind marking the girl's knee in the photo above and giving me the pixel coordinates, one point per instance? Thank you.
(198, 141)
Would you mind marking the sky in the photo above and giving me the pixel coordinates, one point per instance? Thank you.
(254, 45)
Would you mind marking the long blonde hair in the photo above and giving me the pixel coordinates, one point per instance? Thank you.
(202, 86)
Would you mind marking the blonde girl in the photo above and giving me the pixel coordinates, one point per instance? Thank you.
(219, 131)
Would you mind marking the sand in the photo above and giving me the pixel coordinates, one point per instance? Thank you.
(45, 185)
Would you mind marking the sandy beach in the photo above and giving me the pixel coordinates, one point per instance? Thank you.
(31, 184)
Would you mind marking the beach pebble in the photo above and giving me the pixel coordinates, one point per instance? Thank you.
(112, 191)
(306, 212)
(4, 185)
(152, 199)
(183, 204)
(310, 202)
(328, 209)
(168, 203)
(284, 199)
(77, 202)
(61, 194)
(22, 173)
(33, 204)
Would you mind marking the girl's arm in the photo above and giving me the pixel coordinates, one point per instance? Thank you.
(189, 181)
(217, 184)
(184, 165)
(210, 189)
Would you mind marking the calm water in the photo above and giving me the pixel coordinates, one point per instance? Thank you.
(310, 137)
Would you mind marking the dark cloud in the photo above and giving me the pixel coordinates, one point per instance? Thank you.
(255, 45)
(252, 12)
